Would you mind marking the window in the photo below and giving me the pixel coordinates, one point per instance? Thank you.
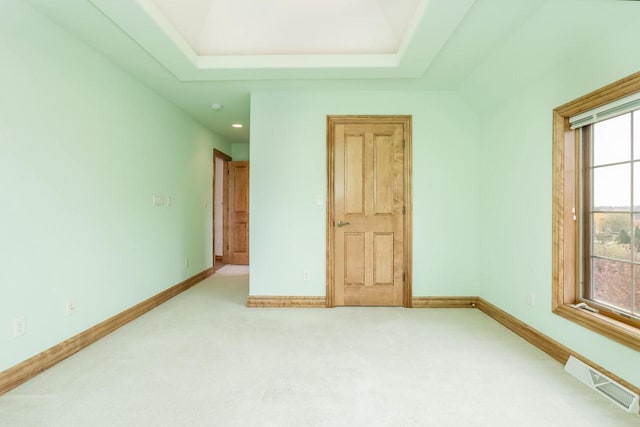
(596, 215)
(609, 227)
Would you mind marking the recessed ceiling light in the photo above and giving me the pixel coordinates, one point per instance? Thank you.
(217, 107)
(237, 125)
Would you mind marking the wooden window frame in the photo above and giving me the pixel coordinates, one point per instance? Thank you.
(565, 264)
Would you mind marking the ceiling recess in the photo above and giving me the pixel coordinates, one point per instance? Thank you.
(288, 27)
(199, 40)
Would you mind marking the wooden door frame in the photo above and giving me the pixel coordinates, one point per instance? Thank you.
(225, 214)
(405, 121)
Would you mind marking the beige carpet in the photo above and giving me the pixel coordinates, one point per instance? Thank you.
(203, 359)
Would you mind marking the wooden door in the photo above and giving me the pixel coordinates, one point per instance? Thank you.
(369, 209)
(238, 203)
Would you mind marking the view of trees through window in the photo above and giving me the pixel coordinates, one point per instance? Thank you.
(613, 153)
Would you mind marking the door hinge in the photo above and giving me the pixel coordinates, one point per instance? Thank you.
(403, 143)
(404, 210)
(227, 247)
(404, 277)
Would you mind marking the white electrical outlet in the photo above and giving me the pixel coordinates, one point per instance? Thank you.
(70, 308)
(306, 275)
(19, 326)
(186, 263)
(319, 200)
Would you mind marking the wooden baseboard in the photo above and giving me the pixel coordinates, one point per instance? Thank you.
(550, 346)
(444, 302)
(218, 257)
(260, 301)
(28, 369)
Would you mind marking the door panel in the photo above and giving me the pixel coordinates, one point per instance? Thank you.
(240, 234)
(241, 193)
(354, 175)
(239, 212)
(355, 254)
(383, 176)
(368, 214)
(383, 258)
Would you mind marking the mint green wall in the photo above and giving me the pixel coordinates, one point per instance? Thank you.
(482, 190)
(288, 171)
(83, 147)
(516, 196)
(239, 151)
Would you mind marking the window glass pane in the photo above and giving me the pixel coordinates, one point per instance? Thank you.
(612, 187)
(612, 140)
(636, 237)
(612, 283)
(612, 235)
(636, 134)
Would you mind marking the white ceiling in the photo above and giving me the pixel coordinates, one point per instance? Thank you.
(284, 27)
(198, 40)
(485, 50)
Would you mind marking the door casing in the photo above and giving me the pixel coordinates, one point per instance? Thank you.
(225, 232)
(405, 121)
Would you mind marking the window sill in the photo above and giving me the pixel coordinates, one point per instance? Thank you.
(606, 326)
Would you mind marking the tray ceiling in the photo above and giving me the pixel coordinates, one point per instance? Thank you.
(276, 39)
(483, 50)
(285, 27)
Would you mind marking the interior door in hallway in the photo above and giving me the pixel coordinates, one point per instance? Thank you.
(369, 213)
(238, 204)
